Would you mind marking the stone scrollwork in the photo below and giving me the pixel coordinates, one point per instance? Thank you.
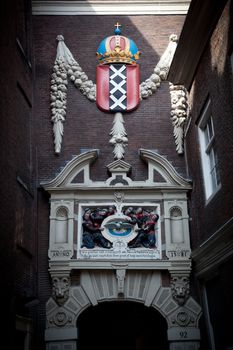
(180, 289)
(61, 287)
(179, 113)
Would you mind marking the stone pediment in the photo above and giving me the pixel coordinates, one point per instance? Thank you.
(161, 174)
(119, 165)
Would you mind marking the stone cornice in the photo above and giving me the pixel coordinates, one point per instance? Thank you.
(65, 180)
(128, 7)
(214, 251)
(176, 266)
(199, 24)
(167, 169)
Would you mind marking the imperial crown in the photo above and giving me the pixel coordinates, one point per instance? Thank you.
(117, 49)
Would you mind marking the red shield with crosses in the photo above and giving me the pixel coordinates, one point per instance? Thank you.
(117, 87)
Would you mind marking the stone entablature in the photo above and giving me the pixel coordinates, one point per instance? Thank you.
(123, 7)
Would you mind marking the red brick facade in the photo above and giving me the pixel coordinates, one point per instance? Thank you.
(86, 127)
(213, 80)
(211, 220)
(18, 248)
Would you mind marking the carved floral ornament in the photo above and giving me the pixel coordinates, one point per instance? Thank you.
(67, 68)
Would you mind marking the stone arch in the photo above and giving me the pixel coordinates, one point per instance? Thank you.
(95, 287)
(140, 287)
(122, 325)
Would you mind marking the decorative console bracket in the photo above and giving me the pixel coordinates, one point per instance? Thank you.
(61, 287)
(180, 288)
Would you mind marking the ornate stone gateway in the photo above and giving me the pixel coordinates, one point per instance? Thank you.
(116, 240)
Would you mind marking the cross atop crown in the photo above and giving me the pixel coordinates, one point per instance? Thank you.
(117, 29)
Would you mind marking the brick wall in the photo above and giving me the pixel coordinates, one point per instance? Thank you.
(214, 79)
(86, 126)
(17, 175)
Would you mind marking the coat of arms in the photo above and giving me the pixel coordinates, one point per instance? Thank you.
(117, 76)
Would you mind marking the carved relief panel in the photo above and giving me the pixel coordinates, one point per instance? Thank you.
(119, 230)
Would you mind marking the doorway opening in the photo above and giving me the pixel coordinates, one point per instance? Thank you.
(122, 325)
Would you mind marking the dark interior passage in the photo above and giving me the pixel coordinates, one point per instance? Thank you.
(122, 326)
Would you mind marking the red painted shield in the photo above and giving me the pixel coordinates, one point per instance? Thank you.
(117, 87)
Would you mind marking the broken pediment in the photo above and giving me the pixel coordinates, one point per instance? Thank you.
(76, 174)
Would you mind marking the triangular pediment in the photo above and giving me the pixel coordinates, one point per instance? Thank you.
(119, 166)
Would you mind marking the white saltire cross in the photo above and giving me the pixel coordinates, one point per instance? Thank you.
(118, 102)
(117, 86)
(117, 72)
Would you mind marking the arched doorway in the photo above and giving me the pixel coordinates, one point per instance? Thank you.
(122, 326)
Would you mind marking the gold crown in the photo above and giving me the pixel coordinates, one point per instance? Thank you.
(118, 55)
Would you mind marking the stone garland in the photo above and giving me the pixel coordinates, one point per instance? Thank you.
(66, 66)
(58, 98)
(179, 114)
(150, 85)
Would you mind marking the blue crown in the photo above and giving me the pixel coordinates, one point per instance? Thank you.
(117, 49)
